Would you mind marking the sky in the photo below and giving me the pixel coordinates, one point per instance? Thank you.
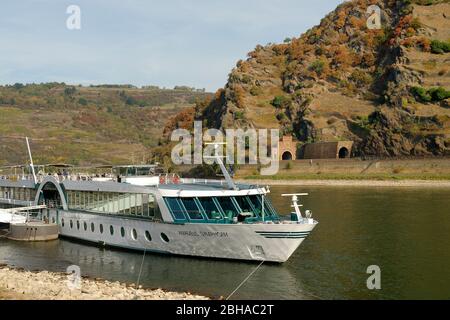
(164, 43)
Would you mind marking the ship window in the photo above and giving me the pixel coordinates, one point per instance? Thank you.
(256, 202)
(148, 236)
(90, 203)
(210, 208)
(101, 228)
(150, 205)
(92, 227)
(270, 209)
(146, 205)
(176, 208)
(134, 234)
(132, 208)
(192, 208)
(122, 232)
(228, 207)
(122, 204)
(78, 225)
(85, 226)
(111, 230)
(244, 204)
(165, 238)
(71, 224)
(62, 222)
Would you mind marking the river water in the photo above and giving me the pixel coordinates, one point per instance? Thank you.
(404, 231)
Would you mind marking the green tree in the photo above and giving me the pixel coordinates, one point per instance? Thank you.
(70, 91)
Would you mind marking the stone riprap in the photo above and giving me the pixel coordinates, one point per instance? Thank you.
(44, 285)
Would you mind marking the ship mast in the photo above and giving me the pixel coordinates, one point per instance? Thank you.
(228, 179)
(31, 160)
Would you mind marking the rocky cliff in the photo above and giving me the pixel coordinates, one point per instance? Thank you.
(387, 89)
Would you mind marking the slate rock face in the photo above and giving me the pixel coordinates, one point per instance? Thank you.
(340, 80)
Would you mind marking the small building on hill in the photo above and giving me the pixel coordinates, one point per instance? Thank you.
(328, 150)
(288, 148)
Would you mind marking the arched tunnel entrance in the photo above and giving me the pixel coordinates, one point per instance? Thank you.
(286, 156)
(343, 153)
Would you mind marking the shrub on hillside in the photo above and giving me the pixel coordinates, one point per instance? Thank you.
(439, 94)
(82, 101)
(430, 95)
(421, 94)
(361, 78)
(239, 115)
(255, 91)
(440, 47)
(281, 102)
(281, 116)
(131, 101)
(69, 91)
(318, 66)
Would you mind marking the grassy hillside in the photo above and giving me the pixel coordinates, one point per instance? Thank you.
(86, 125)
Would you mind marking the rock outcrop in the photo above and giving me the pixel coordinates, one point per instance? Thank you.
(341, 80)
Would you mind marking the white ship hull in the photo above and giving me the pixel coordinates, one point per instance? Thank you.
(258, 242)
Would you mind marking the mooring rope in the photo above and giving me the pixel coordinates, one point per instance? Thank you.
(245, 280)
(140, 272)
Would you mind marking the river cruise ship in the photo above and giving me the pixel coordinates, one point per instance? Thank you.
(139, 208)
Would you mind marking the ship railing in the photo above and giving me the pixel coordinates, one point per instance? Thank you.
(164, 179)
(203, 181)
(16, 177)
(16, 202)
(76, 177)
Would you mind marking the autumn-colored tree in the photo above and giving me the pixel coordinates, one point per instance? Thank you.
(341, 18)
(424, 43)
(358, 23)
(239, 94)
(183, 120)
(342, 57)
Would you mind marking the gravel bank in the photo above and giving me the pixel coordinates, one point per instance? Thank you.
(25, 285)
(353, 183)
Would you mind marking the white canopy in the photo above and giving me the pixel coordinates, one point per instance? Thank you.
(11, 216)
(8, 217)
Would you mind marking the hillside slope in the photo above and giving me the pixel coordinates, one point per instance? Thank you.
(386, 89)
(86, 125)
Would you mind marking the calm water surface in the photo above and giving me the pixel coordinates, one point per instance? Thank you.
(405, 231)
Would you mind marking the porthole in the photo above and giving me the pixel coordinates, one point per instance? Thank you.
(165, 238)
(53, 220)
(134, 234)
(148, 236)
(71, 224)
(111, 230)
(101, 228)
(85, 226)
(62, 222)
(78, 225)
(122, 232)
(92, 227)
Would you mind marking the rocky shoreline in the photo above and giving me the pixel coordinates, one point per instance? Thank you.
(16, 284)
